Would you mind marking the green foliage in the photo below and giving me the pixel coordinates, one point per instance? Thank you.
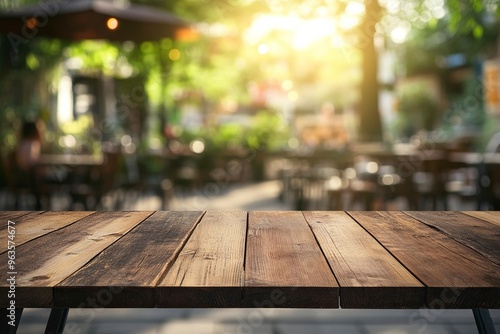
(489, 128)
(418, 109)
(10, 124)
(268, 131)
(95, 56)
(228, 136)
(467, 109)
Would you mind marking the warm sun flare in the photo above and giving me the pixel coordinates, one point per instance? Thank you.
(303, 32)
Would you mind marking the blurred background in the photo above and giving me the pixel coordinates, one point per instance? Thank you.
(270, 104)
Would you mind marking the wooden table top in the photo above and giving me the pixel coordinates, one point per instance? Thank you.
(253, 259)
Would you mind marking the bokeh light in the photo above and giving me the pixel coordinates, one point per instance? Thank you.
(197, 146)
(174, 54)
(112, 23)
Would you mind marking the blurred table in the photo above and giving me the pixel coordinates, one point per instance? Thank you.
(83, 177)
(70, 160)
(487, 168)
(293, 259)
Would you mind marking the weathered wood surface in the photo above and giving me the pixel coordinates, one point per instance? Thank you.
(457, 226)
(35, 225)
(130, 269)
(44, 262)
(10, 215)
(212, 258)
(283, 259)
(254, 259)
(489, 216)
(455, 275)
(369, 276)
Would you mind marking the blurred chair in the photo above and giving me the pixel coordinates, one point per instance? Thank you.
(362, 179)
(489, 175)
(23, 188)
(299, 188)
(392, 187)
(138, 181)
(89, 184)
(335, 187)
(185, 172)
(430, 179)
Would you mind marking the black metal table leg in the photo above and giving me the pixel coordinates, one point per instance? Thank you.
(9, 325)
(57, 321)
(483, 321)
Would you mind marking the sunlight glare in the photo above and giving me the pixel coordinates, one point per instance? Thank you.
(287, 85)
(355, 9)
(399, 34)
(263, 49)
(303, 32)
(310, 31)
(438, 12)
(337, 41)
(293, 96)
(348, 22)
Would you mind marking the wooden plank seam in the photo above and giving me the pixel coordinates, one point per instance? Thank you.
(324, 255)
(455, 237)
(393, 255)
(93, 302)
(176, 256)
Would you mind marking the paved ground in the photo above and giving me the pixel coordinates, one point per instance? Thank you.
(262, 196)
(259, 321)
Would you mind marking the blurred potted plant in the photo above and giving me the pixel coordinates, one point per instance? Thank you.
(267, 133)
(418, 110)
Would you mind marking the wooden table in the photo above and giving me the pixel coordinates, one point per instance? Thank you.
(228, 259)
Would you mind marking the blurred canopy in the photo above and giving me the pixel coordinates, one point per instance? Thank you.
(87, 19)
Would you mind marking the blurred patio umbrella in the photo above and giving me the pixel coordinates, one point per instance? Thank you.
(90, 19)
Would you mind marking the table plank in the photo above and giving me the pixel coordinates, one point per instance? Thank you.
(36, 224)
(486, 237)
(368, 275)
(455, 275)
(489, 216)
(208, 271)
(284, 265)
(10, 215)
(44, 262)
(129, 269)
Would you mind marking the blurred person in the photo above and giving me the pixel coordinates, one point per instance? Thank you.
(29, 146)
(24, 176)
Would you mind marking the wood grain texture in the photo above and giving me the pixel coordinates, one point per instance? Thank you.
(44, 262)
(489, 216)
(284, 265)
(208, 271)
(455, 275)
(36, 224)
(10, 215)
(456, 225)
(131, 266)
(368, 275)
(263, 259)
(17, 217)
